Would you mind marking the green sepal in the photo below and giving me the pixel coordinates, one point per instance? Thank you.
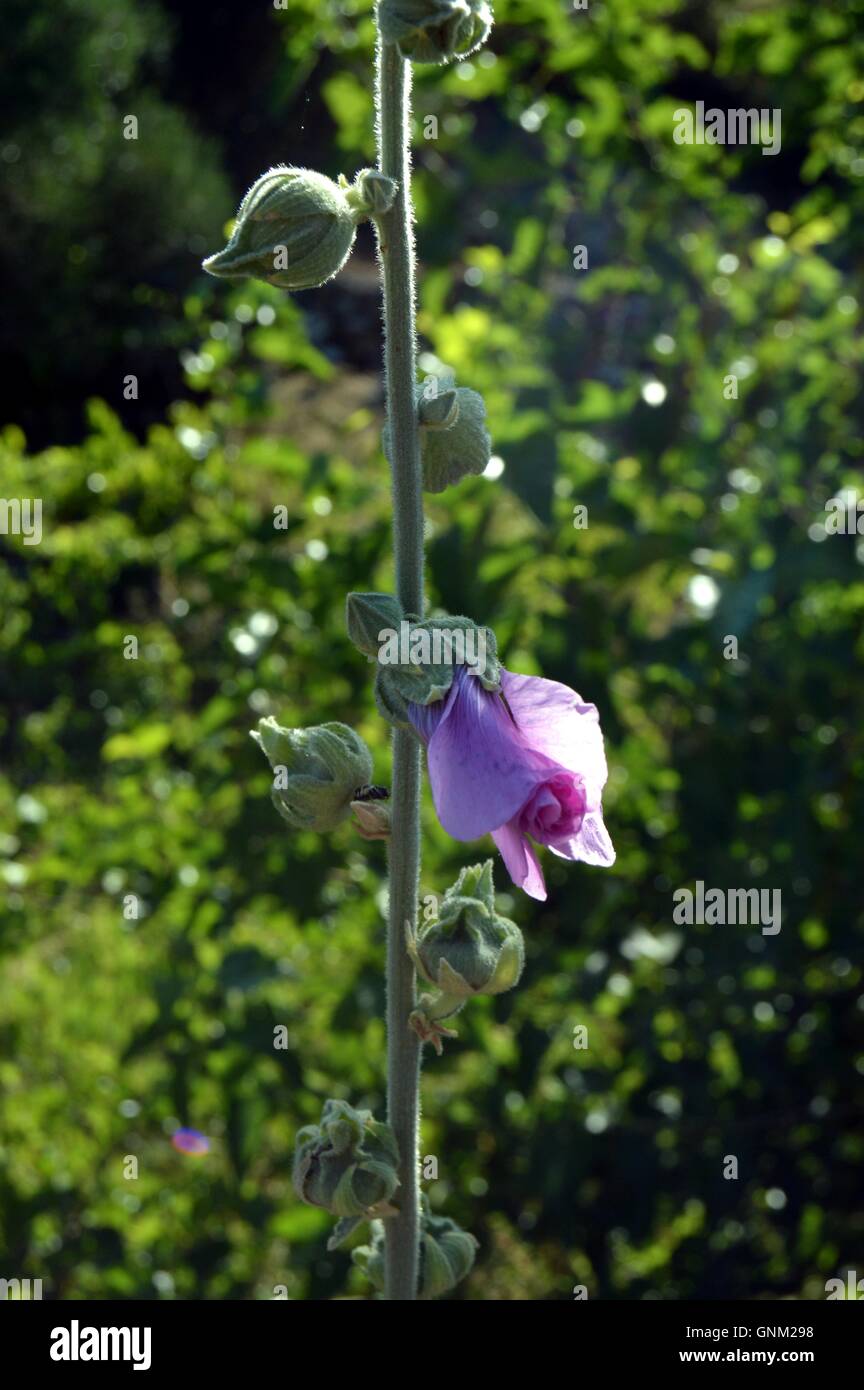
(344, 1201)
(460, 450)
(511, 963)
(448, 1256)
(422, 682)
(454, 440)
(345, 1227)
(370, 1258)
(368, 615)
(385, 1137)
(390, 704)
(438, 412)
(405, 648)
(437, 1274)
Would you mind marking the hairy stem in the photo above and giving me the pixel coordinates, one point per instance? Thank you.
(396, 248)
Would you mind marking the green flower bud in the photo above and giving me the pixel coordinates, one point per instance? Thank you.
(317, 771)
(468, 948)
(454, 440)
(294, 229)
(347, 1163)
(435, 31)
(447, 1255)
(373, 193)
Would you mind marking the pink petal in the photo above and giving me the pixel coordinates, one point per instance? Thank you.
(522, 863)
(481, 769)
(555, 721)
(591, 844)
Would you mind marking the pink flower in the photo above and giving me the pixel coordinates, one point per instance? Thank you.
(531, 764)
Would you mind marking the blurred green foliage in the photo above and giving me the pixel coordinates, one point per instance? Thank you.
(129, 781)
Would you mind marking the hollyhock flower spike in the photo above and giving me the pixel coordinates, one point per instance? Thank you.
(525, 765)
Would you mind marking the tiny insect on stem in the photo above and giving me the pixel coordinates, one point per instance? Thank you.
(371, 794)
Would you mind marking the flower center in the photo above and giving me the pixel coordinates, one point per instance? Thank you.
(555, 809)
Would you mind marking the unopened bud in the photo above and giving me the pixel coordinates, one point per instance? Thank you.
(467, 949)
(372, 192)
(294, 229)
(347, 1163)
(316, 771)
(447, 1256)
(435, 31)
